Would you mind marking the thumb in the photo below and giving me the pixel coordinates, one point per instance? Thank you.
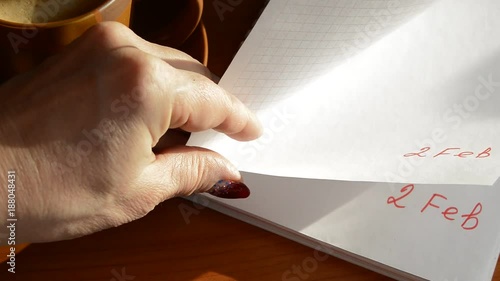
(183, 170)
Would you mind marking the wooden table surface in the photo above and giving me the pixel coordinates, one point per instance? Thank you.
(178, 241)
(169, 245)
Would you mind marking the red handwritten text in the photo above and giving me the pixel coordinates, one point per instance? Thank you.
(450, 152)
(392, 200)
(469, 219)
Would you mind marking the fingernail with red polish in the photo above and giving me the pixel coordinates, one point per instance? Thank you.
(229, 189)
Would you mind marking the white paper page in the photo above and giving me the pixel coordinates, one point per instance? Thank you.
(413, 238)
(433, 82)
(296, 41)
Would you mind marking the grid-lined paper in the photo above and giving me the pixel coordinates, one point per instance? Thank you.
(335, 157)
(306, 38)
(359, 119)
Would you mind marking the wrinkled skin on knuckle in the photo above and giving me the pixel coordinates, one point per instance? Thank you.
(184, 185)
(146, 83)
(125, 73)
(203, 94)
(200, 172)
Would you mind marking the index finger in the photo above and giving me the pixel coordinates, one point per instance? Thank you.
(200, 104)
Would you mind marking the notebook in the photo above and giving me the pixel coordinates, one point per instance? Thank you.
(381, 130)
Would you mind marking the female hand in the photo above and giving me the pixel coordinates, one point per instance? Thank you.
(80, 129)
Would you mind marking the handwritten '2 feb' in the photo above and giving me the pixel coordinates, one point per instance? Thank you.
(469, 219)
(450, 152)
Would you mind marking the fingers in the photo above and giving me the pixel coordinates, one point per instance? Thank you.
(182, 171)
(208, 106)
(171, 97)
(200, 105)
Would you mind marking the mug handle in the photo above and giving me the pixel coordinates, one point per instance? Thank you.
(168, 23)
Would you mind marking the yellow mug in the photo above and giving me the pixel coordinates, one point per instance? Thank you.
(24, 45)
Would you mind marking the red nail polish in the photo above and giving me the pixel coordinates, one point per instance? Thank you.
(230, 189)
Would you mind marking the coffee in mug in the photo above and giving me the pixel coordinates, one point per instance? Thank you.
(44, 11)
(32, 30)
